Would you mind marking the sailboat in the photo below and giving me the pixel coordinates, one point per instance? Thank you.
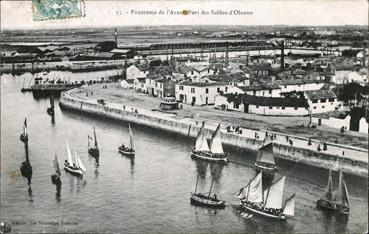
(338, 202)
(265, 161)
(203, 151)
(55, 178)
(200, 199)
(128, 150)
(94, 149)
(50, 110)
(269, 202)
(24, 135)
(75, 167)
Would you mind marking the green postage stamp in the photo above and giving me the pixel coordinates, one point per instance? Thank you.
(57, 9)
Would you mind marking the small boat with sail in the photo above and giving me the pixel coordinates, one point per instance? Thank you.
(128, 149)
(339, 201)
(199, 199)
(265, 161)
(24, 135)
(55, 177)
(75, 167)
(50, 110)
(93, 150)
(203, 151)
(269, 202)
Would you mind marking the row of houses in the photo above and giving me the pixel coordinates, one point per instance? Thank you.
(313, 102)
(232, 91)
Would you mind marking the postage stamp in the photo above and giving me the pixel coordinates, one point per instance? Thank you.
(57, 9)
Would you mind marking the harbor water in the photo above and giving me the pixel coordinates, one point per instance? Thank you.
(147, 193)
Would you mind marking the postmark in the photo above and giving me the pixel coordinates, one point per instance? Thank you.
(57, 9)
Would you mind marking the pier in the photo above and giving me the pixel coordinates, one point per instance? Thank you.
(354, 161)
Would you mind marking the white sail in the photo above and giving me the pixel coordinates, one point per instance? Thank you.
(130, 137)
(273, 195)
(254, 191)
(199, 137)
(339, 194)
(70, 160)
(240, 193)
(25, 127)
(289, 208)
(81, 164)
(216, 142)
(265, 154)
(345, 198)
(76, 159)
(329, 194)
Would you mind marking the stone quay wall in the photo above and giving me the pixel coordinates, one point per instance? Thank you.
(167, 122)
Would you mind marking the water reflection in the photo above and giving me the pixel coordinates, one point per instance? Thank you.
(201, 168)
(26, 171)
(132, 162)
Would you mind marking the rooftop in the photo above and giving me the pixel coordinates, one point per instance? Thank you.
(267, 101)
(203, 84)
(259, 87)
(320, 94)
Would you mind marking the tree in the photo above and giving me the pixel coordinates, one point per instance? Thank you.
(106, 46)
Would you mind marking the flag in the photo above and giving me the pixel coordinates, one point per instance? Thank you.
(89, 138)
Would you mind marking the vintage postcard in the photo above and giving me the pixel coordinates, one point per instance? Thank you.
(171, 116)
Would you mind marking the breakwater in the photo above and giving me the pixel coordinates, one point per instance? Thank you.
(354, 161)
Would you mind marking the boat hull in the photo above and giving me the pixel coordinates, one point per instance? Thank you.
(76, 172)
(203, 201)
(332, 206)
(93, 151)
(197, 155)
(23, 138)
(50, 111)
(129, 153)
(269, 215)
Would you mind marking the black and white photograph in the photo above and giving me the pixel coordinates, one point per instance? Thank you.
(226, 116)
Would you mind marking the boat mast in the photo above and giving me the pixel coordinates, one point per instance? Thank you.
(130, 137)
(211, 186)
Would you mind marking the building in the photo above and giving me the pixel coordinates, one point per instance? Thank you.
(140, 85)
(136, 71)
(271, 106)
(127, 84)
(235, 79)
(199, 93)
(123, 53)
(156, 73)
(320, 101)
(198, 72)
(348, 76)
(164, 87)
(262, 90)
(299, 85)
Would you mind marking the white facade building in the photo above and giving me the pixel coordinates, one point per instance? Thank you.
(199, 93)
(136, 71)
(321, 101)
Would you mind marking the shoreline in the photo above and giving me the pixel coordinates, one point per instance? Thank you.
(354, 161)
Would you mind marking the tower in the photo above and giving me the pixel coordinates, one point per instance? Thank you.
(282, 55)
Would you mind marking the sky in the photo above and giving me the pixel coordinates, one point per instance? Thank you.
(18, 14)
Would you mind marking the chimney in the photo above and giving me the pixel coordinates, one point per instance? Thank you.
(282, 56)
(226, 55)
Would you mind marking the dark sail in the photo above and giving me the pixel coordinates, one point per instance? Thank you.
(265, 154)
